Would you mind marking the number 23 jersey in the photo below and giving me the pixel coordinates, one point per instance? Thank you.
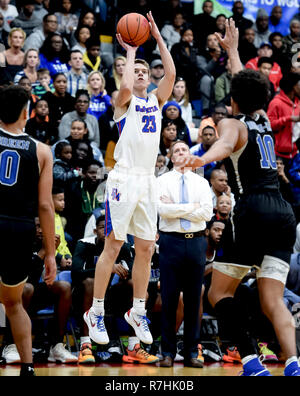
(19, 176)
(139, 134)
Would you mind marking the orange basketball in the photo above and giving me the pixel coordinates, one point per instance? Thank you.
(134, 29)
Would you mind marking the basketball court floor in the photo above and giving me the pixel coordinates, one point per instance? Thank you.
(135, 370)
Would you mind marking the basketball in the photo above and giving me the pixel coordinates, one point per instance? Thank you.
(134, 29)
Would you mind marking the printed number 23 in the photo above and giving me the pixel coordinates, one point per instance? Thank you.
(150, 125)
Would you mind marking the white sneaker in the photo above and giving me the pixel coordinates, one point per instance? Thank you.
(60, 354)
(96, 325)
(140, 325)
(11, 354)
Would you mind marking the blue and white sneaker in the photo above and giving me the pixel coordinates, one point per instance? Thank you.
(140, 325)
(254, 368)
(292, 370)
(96, 326)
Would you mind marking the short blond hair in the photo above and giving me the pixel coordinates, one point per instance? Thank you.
(13, 30)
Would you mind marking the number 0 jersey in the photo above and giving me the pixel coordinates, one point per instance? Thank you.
(253, 167)
(139, 131)
(19, 176)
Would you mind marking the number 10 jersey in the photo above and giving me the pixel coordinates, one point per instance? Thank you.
(19, 176)
(139, 134)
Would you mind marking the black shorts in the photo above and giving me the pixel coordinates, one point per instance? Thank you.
(16, 247)
(264, 224)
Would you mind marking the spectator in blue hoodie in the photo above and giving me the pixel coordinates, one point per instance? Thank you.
(99, 100)
(54, 54)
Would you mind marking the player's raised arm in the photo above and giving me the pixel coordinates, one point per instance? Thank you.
(126, 86)
(166, 84)
(230, 44)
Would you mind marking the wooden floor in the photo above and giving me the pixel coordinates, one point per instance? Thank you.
(134, 370)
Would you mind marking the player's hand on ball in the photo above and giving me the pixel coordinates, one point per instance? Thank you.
(192, 162)
(126, 46)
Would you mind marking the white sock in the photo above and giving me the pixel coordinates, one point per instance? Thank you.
(139, 306)
(98, 305)
(85, 340)
(248, 358)
(291, 360)
(132, 341)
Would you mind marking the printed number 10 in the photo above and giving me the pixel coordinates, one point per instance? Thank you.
(267, 153)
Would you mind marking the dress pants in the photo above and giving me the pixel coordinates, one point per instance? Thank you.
(182, 262)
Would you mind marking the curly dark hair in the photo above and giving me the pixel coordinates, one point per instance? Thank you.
(49, 53)
(250, 90)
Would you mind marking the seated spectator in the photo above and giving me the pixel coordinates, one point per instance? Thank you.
(208, 137)
(172, 111)
(219, 112)
(38, 126)
(171, 32)
(240, 21)
(60, 102)
(265, 66)
(161, 165)
(27, 19)
(284, 116)
(44, 83)
(25, 83)
(82, 101)
(31, 63)
(157, 72)
(279, 56)
(276, 22)
(63, 172)
(294, 179)
(112, 82)
(265, 50)
(82, 153)
(67, 20)
(91, 57)
(185, 56)
(37, 38)
(181, 95)
(81, 35)
(4, 30)
(212, 61)
(261, 27)
(63, 254)
(247, 49)
(40, 10)
(204, 24)
(54, 54)
(88, 18)
(38, 295)
(222, 86)
(292, 38)
(168, 136)
(219, 186)
(76, 76)
(8, 10)
(81, 198)
(14, 55)
(220, 24)
(224, 214)
(99, 100)
(79, 133)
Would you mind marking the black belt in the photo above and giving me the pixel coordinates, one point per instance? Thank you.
(185, 235)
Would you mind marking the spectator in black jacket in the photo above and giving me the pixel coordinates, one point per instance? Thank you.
(63, 172)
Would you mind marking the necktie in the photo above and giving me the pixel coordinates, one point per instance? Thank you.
(185, 224)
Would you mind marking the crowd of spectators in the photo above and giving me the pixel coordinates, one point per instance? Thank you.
(65, 55)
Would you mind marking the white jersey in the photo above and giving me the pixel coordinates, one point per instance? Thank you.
(139, 131)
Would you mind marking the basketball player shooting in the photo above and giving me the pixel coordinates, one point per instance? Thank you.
(131, 186)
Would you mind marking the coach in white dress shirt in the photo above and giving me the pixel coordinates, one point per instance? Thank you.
(184, 207)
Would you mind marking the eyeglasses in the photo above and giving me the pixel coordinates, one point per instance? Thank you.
(56, 41)
(51, 21)
(82, 101)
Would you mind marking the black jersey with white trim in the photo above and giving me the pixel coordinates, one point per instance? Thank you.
(19, 176)
(253, 167)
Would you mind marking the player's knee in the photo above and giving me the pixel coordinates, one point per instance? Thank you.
(144, 250)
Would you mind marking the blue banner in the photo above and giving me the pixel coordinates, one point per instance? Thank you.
(289, 9)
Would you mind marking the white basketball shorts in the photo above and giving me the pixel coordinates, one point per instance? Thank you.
(131, 204)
